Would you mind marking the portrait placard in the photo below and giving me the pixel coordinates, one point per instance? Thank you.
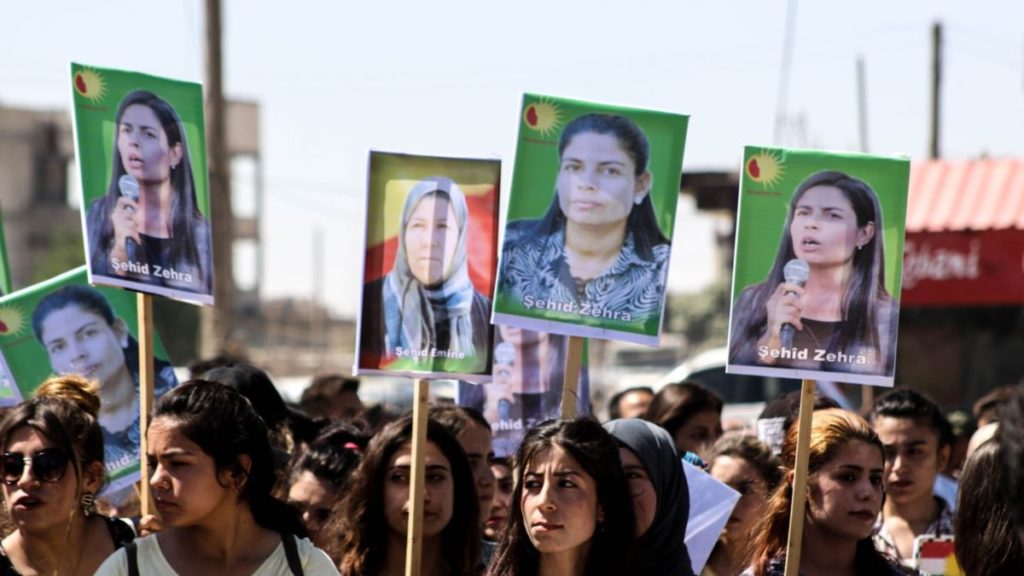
(590, 219)
(141, 147)
(526, 389)
(429, 265)
(818, 265)
(66, 326)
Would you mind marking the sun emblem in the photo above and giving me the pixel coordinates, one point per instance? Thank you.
(765, 168)
(89, 83)
(543, 116)
(12, 322)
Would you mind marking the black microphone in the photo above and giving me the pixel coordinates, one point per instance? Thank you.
(796, 272)
(129, 187)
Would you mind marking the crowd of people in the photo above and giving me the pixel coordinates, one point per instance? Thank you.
(243, 483)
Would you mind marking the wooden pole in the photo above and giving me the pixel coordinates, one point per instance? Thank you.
(144, 306)
(414, 541)
(796, 510)
(571, 383)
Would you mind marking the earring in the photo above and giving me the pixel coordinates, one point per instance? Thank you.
(638, 200)
(88, 502)
(860, 247)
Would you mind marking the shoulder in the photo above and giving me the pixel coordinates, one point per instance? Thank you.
(315, 562)
(518, 232)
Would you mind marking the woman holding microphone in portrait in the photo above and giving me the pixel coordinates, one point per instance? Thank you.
(598, 251)
(148, 227)
(427, 305)
(824, 305)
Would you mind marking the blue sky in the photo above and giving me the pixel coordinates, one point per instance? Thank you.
(336, 79)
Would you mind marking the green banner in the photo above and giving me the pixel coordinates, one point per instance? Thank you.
(818, 265)
(66, 326)
(590, 220)
(141, 151)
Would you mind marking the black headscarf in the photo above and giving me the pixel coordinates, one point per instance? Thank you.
(661, 551)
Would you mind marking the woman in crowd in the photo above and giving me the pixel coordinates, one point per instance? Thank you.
(599, 246)
(427, 302)
(690, 412)
(82, 335)
(148, 227)
(212, 476)
(834, 226)
(371, 522)
(986, 543)
(844, 497)
(502, 502)
(52, 468)
(661, 498)
(571, 512)
(319, 476)
(748, 466)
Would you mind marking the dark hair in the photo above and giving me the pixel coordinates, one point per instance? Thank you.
(755, 452)
(455, 419)
(197, 368)
(1011, 439)
(256, 386)
(65, 409)
(989, 403)
(912, 405)
(831, 430)
(985, 539)
(333, 456)
(864, 290)
(642, 221)
(225, 426)
(92, 301)
(614, 412)
(359, 516)
(787, 407)
(184, 206)
(674, 405)
(597, 452)
(323, 388)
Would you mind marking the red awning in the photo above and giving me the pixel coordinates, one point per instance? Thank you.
(965, 233)
(961, 195)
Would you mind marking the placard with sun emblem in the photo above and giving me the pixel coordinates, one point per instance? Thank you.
(66, 326)
(590, 220)
(141, 147)
(818, 265)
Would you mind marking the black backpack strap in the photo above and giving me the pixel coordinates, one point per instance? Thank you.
(133, 558)
(291, 554)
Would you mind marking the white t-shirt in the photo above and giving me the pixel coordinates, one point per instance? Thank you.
(152, 562)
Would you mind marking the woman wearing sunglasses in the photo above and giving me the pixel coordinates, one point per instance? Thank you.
(51, 468)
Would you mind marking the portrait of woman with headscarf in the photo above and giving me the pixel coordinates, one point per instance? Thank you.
(426, 309)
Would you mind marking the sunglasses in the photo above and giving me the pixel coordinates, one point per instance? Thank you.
(47, 466)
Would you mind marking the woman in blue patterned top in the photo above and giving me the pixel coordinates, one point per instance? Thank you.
(598, 251)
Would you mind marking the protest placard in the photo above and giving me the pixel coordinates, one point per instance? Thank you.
(817, 267)
(526, 388)
(66, 326)
(431, 236)
(140, 145)
(590, 220)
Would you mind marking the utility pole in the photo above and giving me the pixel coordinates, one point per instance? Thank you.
(787, 62)
(218, 320)
(862, 104)
(933, 149)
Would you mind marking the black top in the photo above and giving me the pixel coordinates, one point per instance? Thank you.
(120, 533)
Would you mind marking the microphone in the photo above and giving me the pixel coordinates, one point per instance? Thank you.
(795, 271)
(129, 188)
